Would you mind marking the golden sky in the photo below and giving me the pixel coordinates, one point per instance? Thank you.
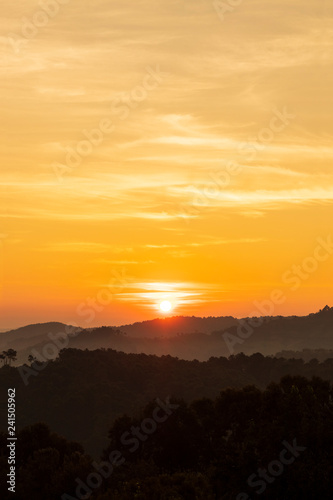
(164, 150)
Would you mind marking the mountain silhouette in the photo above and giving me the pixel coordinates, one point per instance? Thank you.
(186, 337)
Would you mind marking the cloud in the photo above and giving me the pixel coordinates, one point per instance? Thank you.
(180, 294)
(211, 242)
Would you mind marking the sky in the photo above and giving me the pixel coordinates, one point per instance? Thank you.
(165, 150)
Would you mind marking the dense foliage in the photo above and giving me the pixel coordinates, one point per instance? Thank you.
(203, 450)
(80, 394)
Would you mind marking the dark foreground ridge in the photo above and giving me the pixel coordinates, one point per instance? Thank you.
(81, 393)
(276, 443)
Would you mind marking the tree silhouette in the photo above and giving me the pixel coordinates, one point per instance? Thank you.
(31, 358)
(9, 356)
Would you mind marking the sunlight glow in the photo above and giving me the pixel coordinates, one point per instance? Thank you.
(165, 306)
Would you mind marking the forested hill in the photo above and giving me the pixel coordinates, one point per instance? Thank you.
(81, 393)
(187, 337)
(175, 325)
(209, 449)
(268, 335)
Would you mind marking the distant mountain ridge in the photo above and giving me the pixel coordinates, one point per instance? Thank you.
(178, 325)
(34, 330)
(186, 337)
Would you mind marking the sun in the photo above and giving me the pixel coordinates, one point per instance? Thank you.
(165, 306)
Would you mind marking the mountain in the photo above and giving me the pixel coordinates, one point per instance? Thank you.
(178, 325)
(186, 337)
(32, 336)
(273, 334)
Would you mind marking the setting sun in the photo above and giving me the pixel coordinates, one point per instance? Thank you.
(166, 306)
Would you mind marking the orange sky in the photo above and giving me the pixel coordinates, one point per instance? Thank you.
(157, 150)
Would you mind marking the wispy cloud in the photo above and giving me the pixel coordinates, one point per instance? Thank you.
(180, 294)
(207, 243)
